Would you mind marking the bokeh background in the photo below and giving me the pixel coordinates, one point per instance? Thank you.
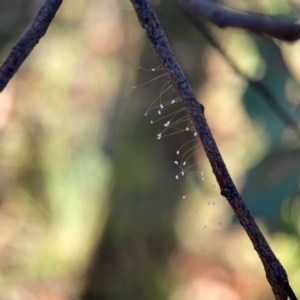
(90, 208)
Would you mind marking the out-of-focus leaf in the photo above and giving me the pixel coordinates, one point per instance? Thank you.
(275, 78)
(272, 181)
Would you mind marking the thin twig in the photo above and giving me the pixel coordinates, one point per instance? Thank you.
(275, 272)
(257, 85)
(31, 37)
(274, 27)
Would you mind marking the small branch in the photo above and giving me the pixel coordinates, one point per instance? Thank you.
(275, 272)
(271, 26)
(31, 37)
(258, 86)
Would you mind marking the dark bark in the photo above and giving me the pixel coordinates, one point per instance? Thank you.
(271, 26)
(261, 88)
(28, 41)
(275, 272)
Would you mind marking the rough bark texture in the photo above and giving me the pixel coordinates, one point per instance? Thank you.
(275, 272)
(31, 37)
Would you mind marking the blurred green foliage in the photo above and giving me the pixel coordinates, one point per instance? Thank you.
(90, 207)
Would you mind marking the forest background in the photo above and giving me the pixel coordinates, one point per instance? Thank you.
(90, 207)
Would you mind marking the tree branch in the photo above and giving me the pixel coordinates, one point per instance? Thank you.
(275, 272)
(261, 88)
(31, 37)
(274, 27)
